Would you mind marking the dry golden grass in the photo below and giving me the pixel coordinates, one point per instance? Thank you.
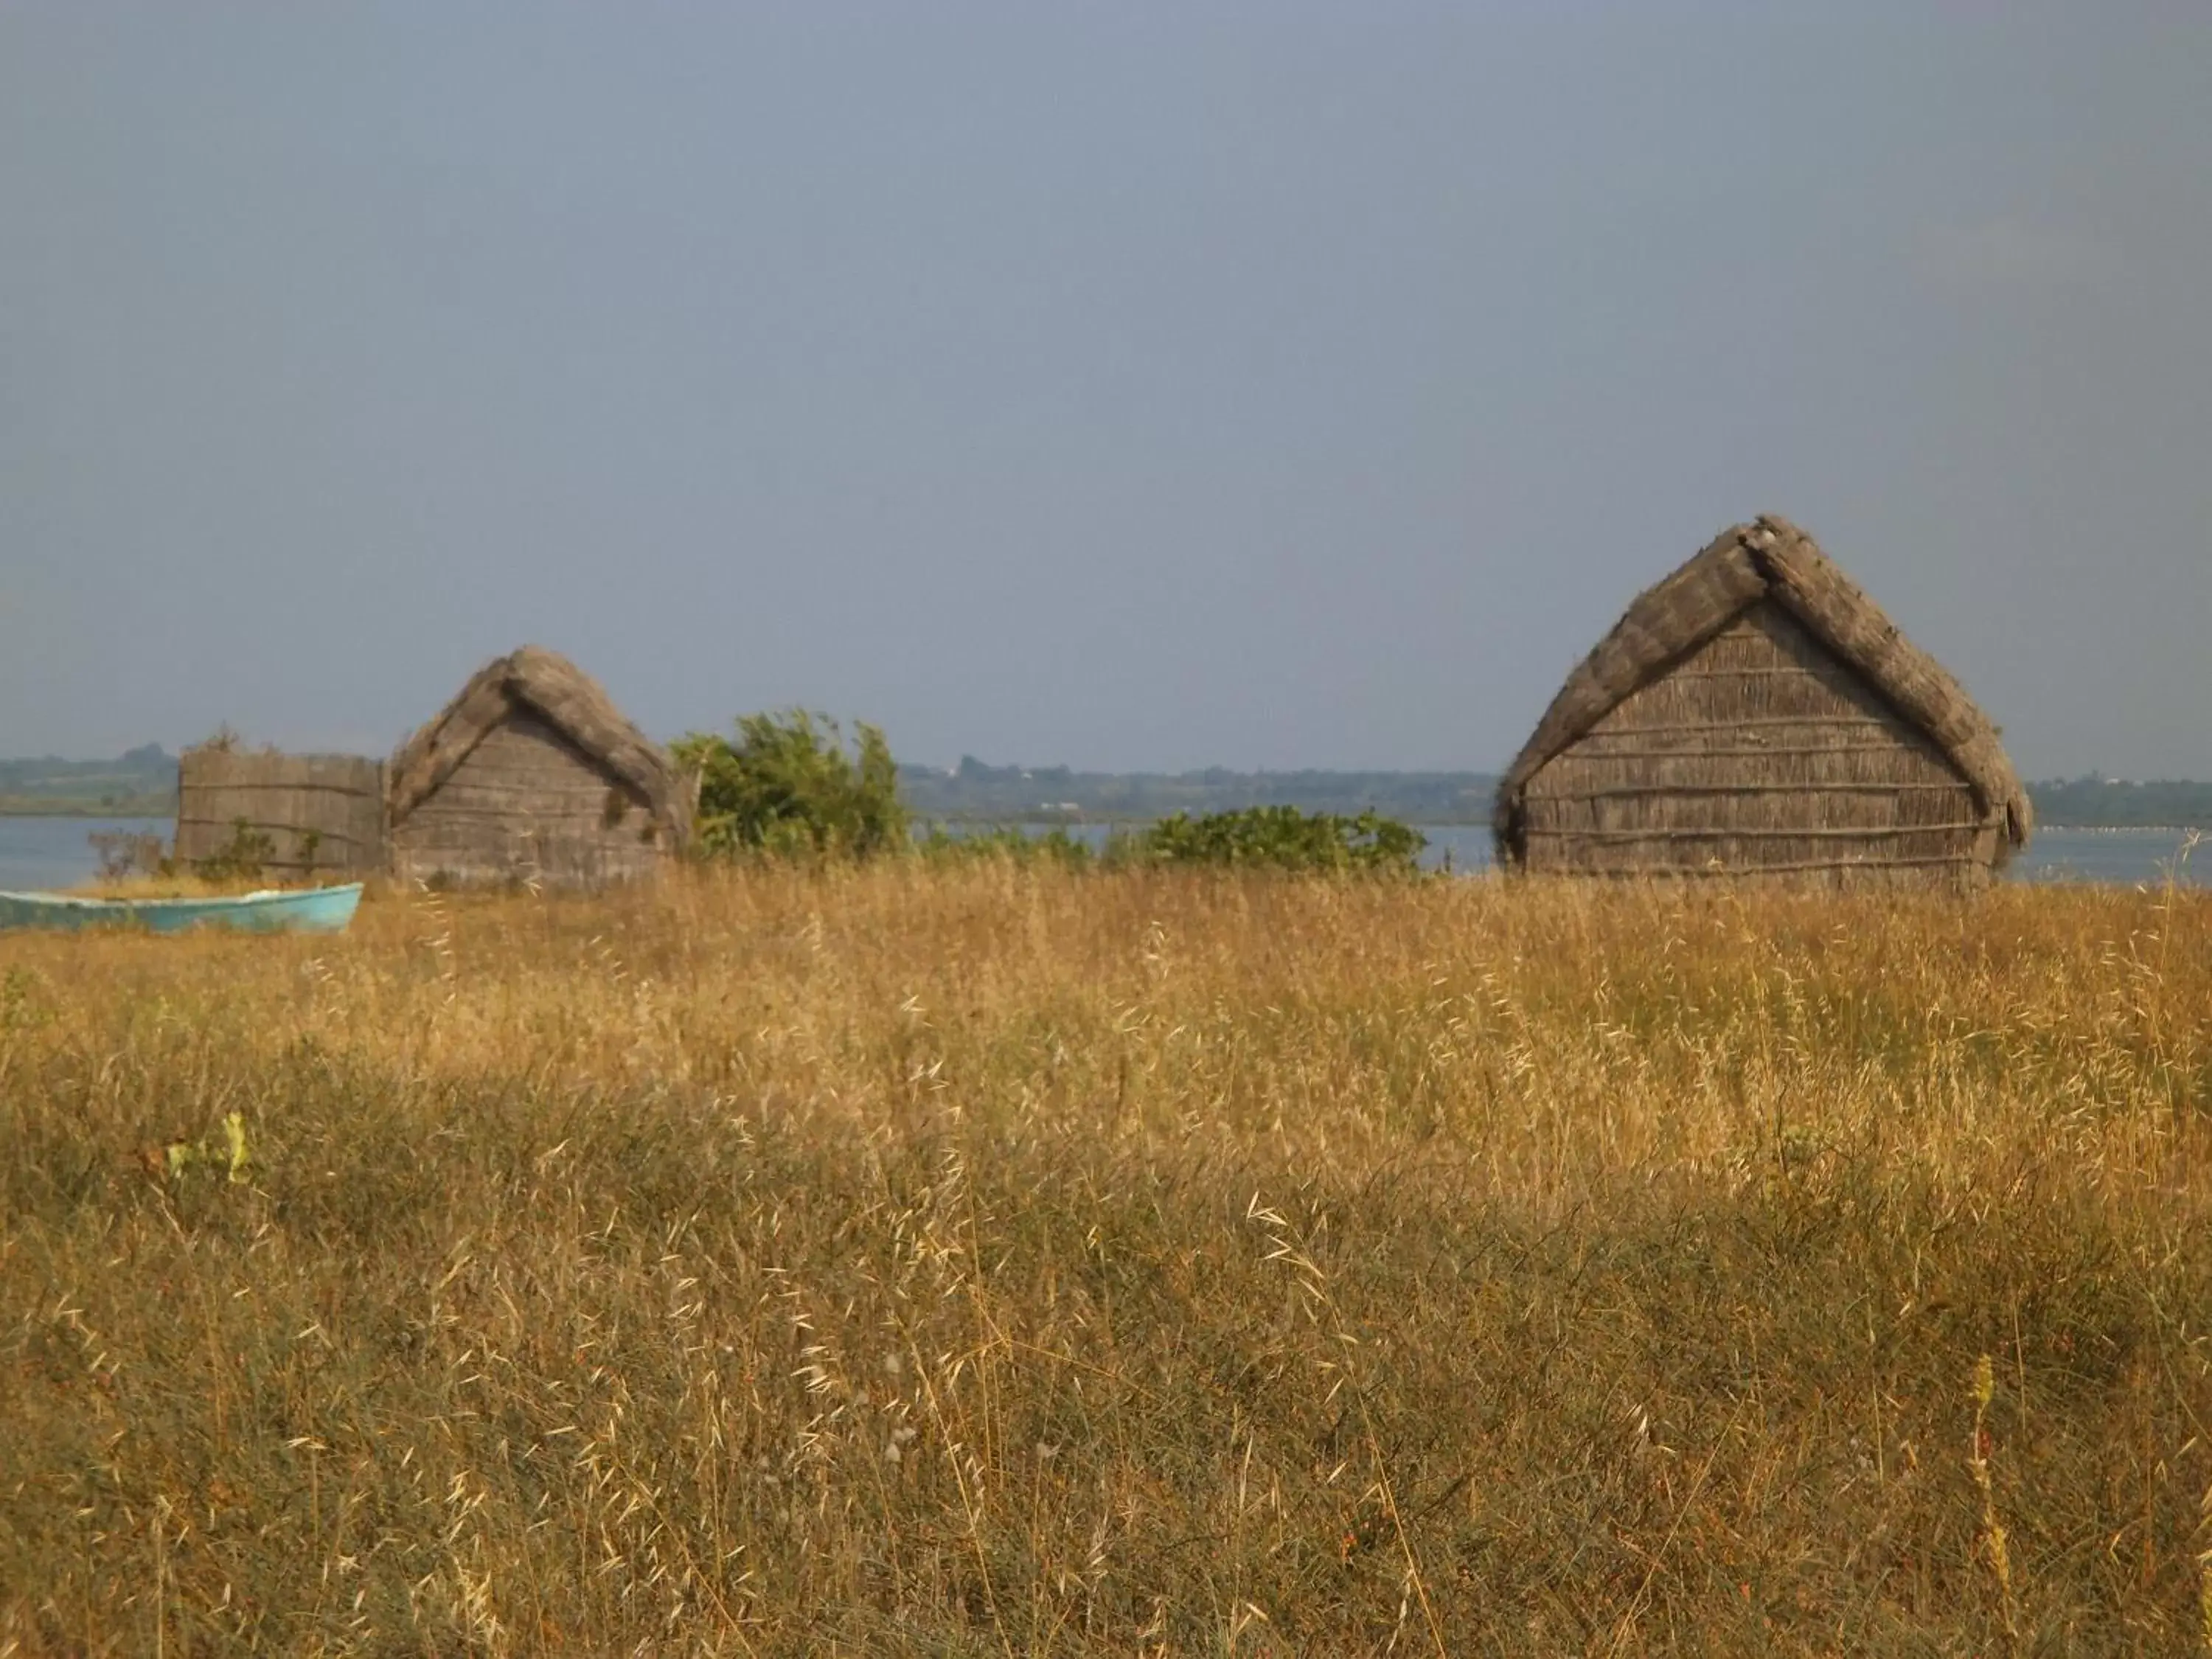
(990, 1261)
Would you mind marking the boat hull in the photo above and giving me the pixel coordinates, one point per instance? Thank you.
(311, 910)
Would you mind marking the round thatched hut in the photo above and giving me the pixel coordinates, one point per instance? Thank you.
(1756, 715)
(314, 815)
(532, 773)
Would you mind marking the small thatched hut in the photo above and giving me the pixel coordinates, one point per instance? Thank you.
(532, 773)
(1755, 713)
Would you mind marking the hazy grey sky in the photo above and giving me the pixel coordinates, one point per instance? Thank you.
(1268, 384)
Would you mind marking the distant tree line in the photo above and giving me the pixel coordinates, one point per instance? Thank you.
(1051, 794)
(142, 783)
(2094, 803)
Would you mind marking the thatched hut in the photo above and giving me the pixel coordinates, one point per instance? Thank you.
(532, 773)
(294, 815)
(1756, 714)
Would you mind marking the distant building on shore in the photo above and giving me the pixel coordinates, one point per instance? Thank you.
(1756, 715)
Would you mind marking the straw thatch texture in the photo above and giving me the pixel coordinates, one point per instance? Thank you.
(323, 814)
(1755, 713)
(532, 773)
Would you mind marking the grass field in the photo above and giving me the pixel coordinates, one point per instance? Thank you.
(990, 1261)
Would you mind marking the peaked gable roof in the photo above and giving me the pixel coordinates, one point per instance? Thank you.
(568, 699)
(1770, 558)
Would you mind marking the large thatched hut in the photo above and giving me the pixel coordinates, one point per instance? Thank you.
(1756, 714)
(532, 773)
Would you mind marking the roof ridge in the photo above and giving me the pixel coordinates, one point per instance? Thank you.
(552, 686)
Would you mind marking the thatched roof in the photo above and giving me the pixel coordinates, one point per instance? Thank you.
(1770, 558)
(570, 701)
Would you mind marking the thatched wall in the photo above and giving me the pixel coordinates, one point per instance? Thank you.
(1760, 751)
(324, 814)
(1755, 713)
(531, 775)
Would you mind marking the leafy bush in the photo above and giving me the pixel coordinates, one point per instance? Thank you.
(790, 786)
(1008, 841)
(1284, 838)
(124, 854)
(241, 858)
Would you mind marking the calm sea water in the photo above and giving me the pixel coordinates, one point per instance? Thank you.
(39, 853)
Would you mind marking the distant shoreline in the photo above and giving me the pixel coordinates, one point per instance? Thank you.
(154, 807)
(135, 806)
(1074, 820)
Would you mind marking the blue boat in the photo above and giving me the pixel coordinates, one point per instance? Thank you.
(305, 910)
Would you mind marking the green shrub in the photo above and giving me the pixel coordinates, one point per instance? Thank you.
(1284, 838)
(791, 786)
(1009, 841)
(241, 858)
(124, 854)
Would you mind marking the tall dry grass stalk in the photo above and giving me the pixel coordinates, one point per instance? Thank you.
(868, 1261)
